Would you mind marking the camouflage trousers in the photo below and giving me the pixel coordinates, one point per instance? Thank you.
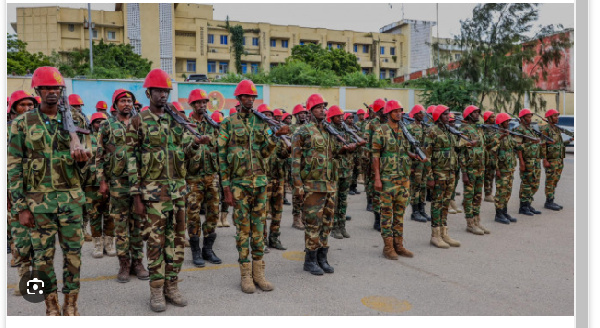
(341, 200)
(356, 169)
(441, 196)
(128, 232)
(249, 217)
(418, 183)
(472, 192)
(489, 176)
(165, 246)
(553, 176)
(504, 185)
(22, 240)
(318, 209)
(374, 193)
(394, 198)
(224, 206)
(530, 180)
(67, 224)
(202, 191)
(296, 201)
(456, 179)
(96, 211)
(366, 171)
(274, 205)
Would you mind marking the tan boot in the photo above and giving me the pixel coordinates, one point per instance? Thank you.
(455, 207)
(86, 234)
(109, 246)
(219, 220)
(477, 221)
(157, 296)
(399, 248)
(447, 239)
(98, 251)
(451, 210)
(436, 239)
(70, 305)
(247, 283)
(258, 275)
(173, 295)
(489, 199)
(224, 219)
(472, 228)
(21, 271)
(297, 223)
(124, 269)
(388, 248)
(52, 306)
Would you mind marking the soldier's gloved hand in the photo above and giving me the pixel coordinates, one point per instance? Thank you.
(378, 185)
(283, 130)
(465, 179)
(138, 206)
(103, 189)
(546, 163)
(228, 196)
(203, 140)
(26, 218)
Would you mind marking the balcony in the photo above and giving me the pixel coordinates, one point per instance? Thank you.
(215, 53)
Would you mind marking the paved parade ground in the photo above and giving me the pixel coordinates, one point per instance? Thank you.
(525, 268)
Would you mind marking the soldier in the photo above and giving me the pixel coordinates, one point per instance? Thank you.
(553, 154)
(490, 158)
(314, 175)
(96, 205)
(244, 147)
(391, 165)
(355, 160)
(472, 165)
(418, 183)
(529, 153)
(278, 115)
(138, 106)
(440, 150)
(102, 107)
(44, 179)
(369, 131)
(301, 115)
(201, 171)
(363, 153)
(287, 119)
(505, 168)
(453, 209)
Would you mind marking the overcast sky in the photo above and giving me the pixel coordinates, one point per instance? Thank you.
(340, 16)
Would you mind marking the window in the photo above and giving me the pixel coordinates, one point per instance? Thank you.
(244, 68)
(382, 74)
(255, 41)
(456, 56)
(284, 43)
(365, 49)
(392, 73)
(329, 45)
(223, 67)
(211, 38)
(212, 67)
(301, 43)
(339, 46)
(94, 33)
(393, 51)
(274, 65)
(365, 71)
(382, 50)
(243, 41)
(223, 39)
(111, 35)
(71, 27)
(273, 43)
(254, 68)
(191, 65)
(356, 48)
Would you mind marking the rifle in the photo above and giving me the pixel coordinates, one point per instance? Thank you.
(352, 132)
(210, 120)
(412, 120)
(413, 142)
(452, 130)
(69, 126)
(273, 124)
(538, 133)
(182, 121)
(563, 130)
(497, 128)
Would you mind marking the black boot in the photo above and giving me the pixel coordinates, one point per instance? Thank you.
(500, 217)
(322, 260)
(416, 214)
(274, 242)
(196, 251)
(428, 195)
(524, 209)
(533, 210)
(310, 263)
(551, 205)
(369, 205)
(351, 192)
(377, 223)
(507, 216)
(207, 252)
(355, 191)
(423, 213)
(348, 218)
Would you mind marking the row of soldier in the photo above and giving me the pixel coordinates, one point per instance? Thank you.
(146, 175)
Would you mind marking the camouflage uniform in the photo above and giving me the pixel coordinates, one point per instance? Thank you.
(96, 208)
(555, 154)
(472, 163)
(156, 157)
(112, 159)
(506, 163)
(275, 186)
(244, 147)
(355, 161)
(531, 152)
(344, 167)
(296, 203)
(418, 180)
(47, 181)
(490, 160)
(363, 154)
(370, 129)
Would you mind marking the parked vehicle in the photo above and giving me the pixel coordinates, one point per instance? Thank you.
(197, 78)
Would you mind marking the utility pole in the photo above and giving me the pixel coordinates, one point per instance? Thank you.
(91, 41)
(437, 19)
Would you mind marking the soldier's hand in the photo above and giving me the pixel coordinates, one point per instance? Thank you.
(430, 183)
(378, 185)
(103, 189)
(202, 140)
(473, 143)
(522, 166)
(228, 196)
(362, 143)
(546, 163)
(465, 179)
(26, 219)
(80, 155)
(138, 206)
(283, 130)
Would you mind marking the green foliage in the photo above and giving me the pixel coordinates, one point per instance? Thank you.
(300, 73)
(19, 61)
(456, 94)
(360, 80)
(237, 39)
(337, 60)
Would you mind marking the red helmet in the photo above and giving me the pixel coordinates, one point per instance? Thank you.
(390, 105)
(298, 108)
(524, 112)
(361, 111)
(98, 116)
(47, 76)
(197, 94)
(439, 110)
(245, 87)
(38, 99)
(120, 93)
(75, 100)
(551, 112)
(157, 78)
(487, 115)
(430, 109)
(144, 108)
(346, 115)
(314, 100)
(17, 96)
(470, 109)
(502, 117)
(277, 112)
(263, 108)
(232, 111)
(333, 111)
(101, 105)
(416, 109)
(378, 105)
(217, 116)
(286, 115)
(178, 105)
(137, 103)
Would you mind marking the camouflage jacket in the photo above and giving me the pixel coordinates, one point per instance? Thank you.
(156, 155)
(42, 174)
(245, 145)
(111, 156)
(313, 151)
(418, 131)
(345, 160)
(440, 149)
(204, 162)
(555, 150)
(491, 148)
(391, 147)
(276, 161)
(370, 129)
(473, 157)
(506, 159)
(89, 175)
(529, 149)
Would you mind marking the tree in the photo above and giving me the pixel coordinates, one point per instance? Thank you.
(19, 60)
(237, 41)
(456, 94)
(337, 60)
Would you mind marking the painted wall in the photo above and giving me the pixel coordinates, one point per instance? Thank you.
(287, 97)
(220, 95)
(355, 97)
